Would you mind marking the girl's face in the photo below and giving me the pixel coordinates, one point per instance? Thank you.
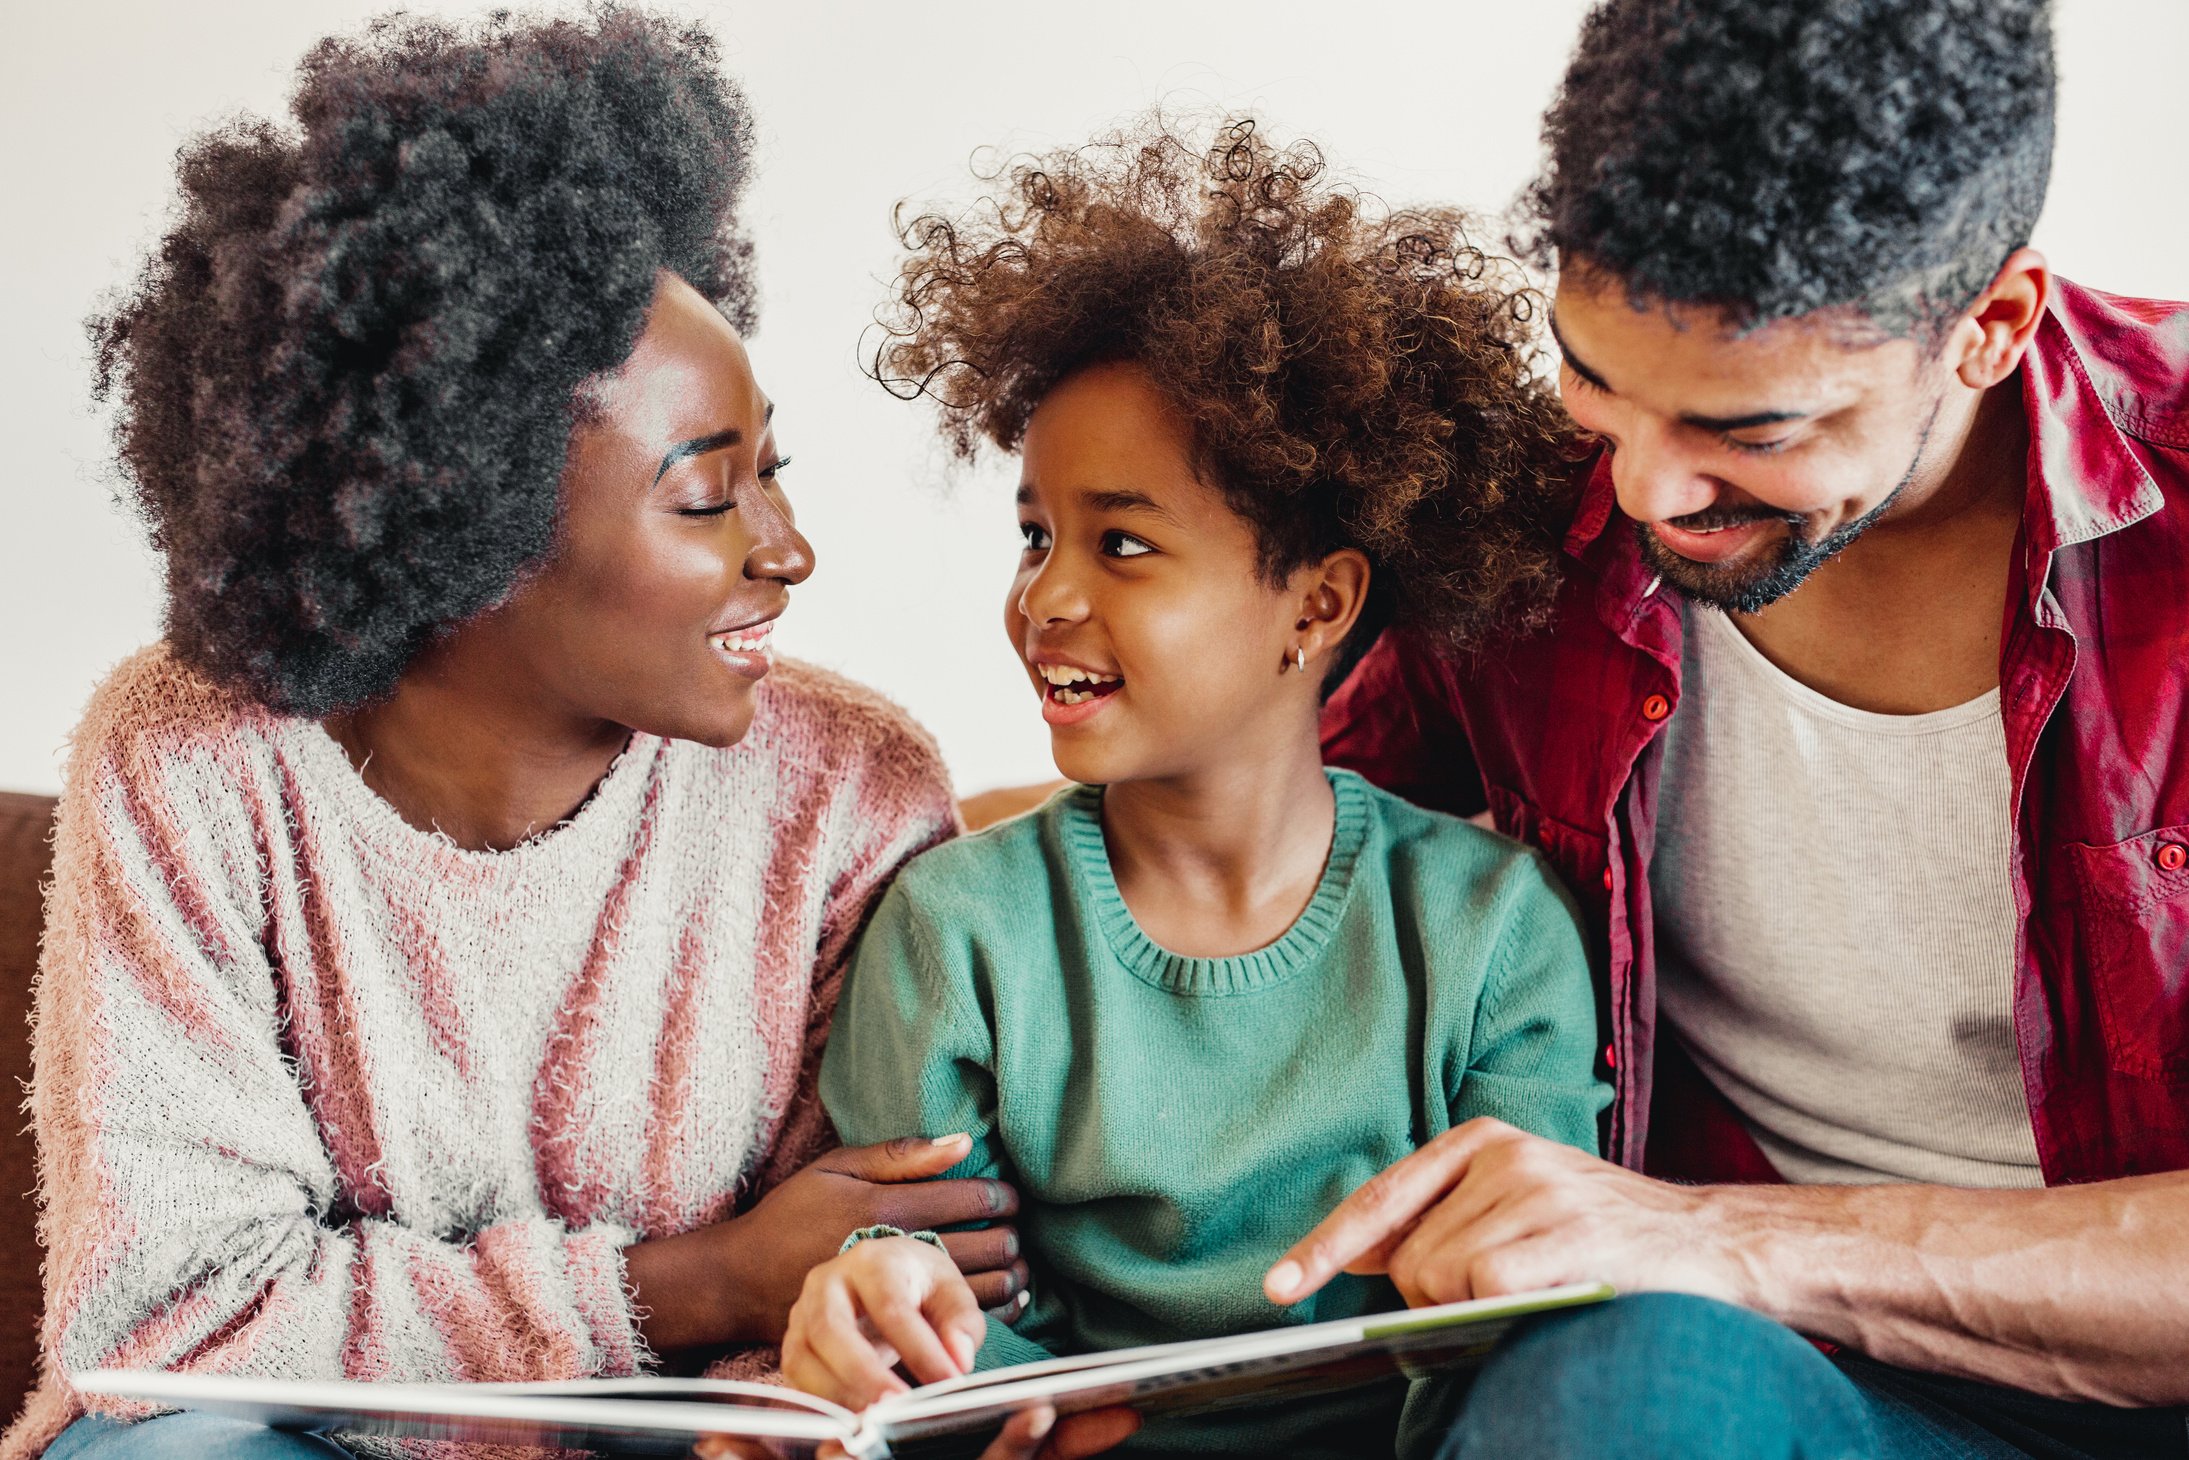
(675, 551)
(1156, 645)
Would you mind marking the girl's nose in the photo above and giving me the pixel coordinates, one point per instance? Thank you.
(1052, 595)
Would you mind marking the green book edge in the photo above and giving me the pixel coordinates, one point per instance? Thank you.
(1405, 1326)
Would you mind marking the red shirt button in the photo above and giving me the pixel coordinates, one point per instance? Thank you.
(2173, 856)
(1607, 879)
(1656, 707)
(1611, 1058)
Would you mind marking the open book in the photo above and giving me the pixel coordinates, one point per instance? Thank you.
(664, 1416)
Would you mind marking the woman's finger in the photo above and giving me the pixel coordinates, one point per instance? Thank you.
(952, 1203)
(983, 1251)
(1091, 1433)
(999, 1289)
(1022, 1435)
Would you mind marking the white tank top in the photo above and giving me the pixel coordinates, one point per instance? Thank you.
(1836, 924)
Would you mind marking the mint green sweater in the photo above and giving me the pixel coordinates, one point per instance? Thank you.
(1174, 1124)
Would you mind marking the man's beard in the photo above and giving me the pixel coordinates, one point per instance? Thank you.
(1746, 588)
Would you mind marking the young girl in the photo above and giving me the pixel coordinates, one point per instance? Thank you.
(1202, 995)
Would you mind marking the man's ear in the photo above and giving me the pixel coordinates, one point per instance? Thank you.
(1995, 332)
(1334, 593)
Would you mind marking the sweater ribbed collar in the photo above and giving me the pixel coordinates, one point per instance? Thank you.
(1079, 812)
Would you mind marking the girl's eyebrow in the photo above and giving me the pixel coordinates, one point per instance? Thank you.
(1120, 500)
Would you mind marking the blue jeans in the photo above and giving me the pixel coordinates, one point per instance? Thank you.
(1661, 1375)
(185, 1436)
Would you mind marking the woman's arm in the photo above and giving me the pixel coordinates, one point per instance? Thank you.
(193, 1215)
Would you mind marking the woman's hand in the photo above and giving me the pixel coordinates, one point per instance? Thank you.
(734, 1282)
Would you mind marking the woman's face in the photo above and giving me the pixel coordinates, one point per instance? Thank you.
(676, 550)
(1154, 642)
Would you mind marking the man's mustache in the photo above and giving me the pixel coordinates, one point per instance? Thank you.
(1710, 519)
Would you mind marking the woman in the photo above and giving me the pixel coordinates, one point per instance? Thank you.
(446, 914)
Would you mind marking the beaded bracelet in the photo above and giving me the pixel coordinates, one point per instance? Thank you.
(886, 1231)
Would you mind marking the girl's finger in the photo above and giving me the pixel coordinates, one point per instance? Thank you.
(857, 1375)
(901, 1314)
(955, 1315)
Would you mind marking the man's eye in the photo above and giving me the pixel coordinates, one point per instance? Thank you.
(1037, 536)
(1124, 545)
(1757, 448)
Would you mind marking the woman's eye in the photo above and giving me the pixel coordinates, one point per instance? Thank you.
(1124, 545)
(715, 511)
(767, 473)
(1037, 536)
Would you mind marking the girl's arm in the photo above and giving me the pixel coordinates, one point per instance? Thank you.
(912, 1054)
(193, 1218)
(1532, 1050)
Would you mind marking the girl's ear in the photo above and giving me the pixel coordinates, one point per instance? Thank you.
(1333, 593)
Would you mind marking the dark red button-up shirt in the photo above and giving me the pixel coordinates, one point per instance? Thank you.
(1559, 735)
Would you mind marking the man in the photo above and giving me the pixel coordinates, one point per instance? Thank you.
(1862, 734)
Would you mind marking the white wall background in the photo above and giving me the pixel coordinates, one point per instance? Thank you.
(860, 103)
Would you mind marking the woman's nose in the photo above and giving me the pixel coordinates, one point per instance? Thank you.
(779, 550)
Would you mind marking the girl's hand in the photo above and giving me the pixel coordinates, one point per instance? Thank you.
(889, 1299)
(1031, 1434)
(733, 1283)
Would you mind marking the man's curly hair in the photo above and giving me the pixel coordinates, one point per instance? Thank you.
(1774, 158)
(1352, 377)
(348, 376)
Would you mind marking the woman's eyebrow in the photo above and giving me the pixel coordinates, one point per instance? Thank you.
(701, 445)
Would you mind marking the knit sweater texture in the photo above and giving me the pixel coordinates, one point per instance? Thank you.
(321, 1094)
(1174, 1124)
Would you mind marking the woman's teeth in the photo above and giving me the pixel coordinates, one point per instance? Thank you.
(746, 641)
(1063, 677)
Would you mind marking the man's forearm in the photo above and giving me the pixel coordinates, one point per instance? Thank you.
(2075, 1292)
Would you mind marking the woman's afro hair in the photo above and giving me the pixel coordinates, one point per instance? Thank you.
(348, 377)
(1352, 377)
(1775, 158)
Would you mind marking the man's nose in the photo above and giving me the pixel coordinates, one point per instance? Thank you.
(1656, 479)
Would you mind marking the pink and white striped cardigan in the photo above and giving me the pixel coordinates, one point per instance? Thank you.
(318, 1093)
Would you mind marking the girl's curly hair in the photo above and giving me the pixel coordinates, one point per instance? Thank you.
(1353, 377)
(348, 375)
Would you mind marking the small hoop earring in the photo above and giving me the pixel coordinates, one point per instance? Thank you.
(1299, 658)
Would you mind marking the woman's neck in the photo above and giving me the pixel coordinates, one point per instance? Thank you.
(456, 750)
(1224, 859)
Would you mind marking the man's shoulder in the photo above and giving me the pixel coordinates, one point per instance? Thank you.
(2135, 355)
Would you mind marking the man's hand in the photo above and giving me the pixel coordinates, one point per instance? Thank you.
(734, 1282)
(1485, 1210)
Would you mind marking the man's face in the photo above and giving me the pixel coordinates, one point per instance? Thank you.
(1746, 460)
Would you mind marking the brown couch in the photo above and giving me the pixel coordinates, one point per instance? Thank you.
(26, 829)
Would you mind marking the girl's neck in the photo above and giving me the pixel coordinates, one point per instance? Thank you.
(1223, 859)
(453, 753)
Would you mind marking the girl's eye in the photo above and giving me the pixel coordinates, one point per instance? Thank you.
(1124, 545)
(1037, 536)
(1577, 379)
